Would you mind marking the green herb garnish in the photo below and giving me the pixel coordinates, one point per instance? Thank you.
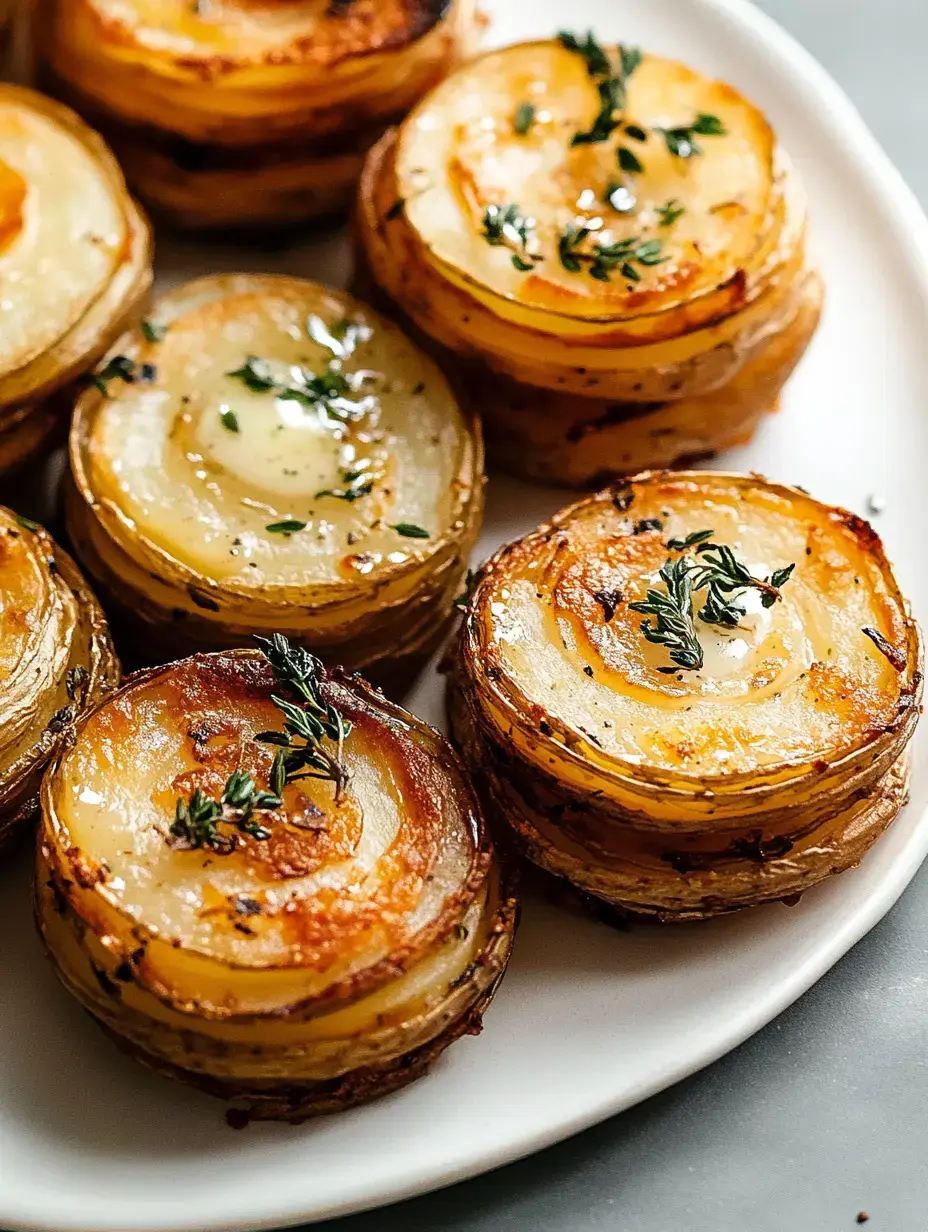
(669, 212)
(357, 483)
(309, 722)
(505, 225)
(120, 367)
(672, 610)
(597, 61)
(289, 526)
(197, 820)
(27, 523)
(718, 572)
(409, 530)
(229, 420)
(153, 332)
(464, 598)
(327, 391)
(524, 118)
(603, 259)
(681, 141)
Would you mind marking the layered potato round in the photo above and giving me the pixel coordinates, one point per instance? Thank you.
(226, 113)
(56, 660)
(609, 249)
(320, 963)
(280, 459)
(75, 264)
(669, 757)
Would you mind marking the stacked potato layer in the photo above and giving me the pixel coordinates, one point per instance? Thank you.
(588, 365)
(75, 263)
(278, 458)
(308, 966)
(233, 115)
(684, 792)
(56, 660)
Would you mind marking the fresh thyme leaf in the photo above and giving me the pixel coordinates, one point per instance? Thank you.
(612, 98)
(327, 390)
(628, 161)
(895, 656)
(718, 572)
(255, 373)
(410, 531)
(568, 243)
(597, 61)
(357, 483)
(310, 719)
(289, 526)
(120, 367)
(672, 610)
(153, 332)
(624, 255)
(27, 523)
(630, 58)
(669, 212)
(524, 118)
(635, 132)
(696, 536)
(505, 225)
(709, 126)
(229, 420)
(681, 141)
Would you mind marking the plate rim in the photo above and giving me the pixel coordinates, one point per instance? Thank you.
(801, 72)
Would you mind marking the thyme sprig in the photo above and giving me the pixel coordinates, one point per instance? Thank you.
(602, 259)
(197, 821)
(613, 94)
(723, 576)
(681, 141)
(327, 391)
(715, 569)
(309, 721)
(507, 226)
(356, 482)
(672, 610)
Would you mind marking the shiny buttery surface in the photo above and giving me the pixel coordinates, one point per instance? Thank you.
(62, 230)
(162, 460)
(460, 152)
(793, 681)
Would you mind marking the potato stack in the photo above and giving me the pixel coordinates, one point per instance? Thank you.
(298, 942)
(229, 114)
(690, 693)
(265, 454)
(75, 266)
(56, 661)
(608, 248)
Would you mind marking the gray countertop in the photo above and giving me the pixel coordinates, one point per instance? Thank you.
(823, 1114)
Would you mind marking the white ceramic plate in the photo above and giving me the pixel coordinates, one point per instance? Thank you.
(589, 1021)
